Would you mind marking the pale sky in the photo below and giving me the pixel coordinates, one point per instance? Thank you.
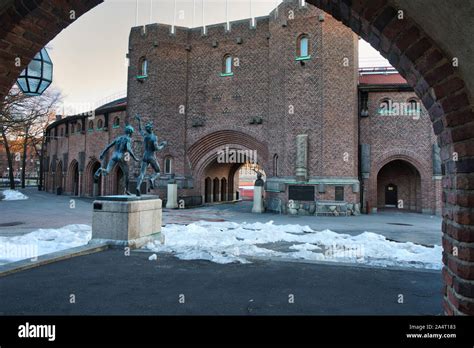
(89, 56)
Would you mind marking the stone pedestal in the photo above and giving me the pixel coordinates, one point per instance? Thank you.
(172, 201)
(126, 221)
(258, 200)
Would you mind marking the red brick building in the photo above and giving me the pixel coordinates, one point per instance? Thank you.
(283, 91)
(32, 162)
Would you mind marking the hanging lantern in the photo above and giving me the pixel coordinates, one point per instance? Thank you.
(37, 76)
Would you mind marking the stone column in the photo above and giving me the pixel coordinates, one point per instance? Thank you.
(302, 157)
(258, 200)
(79, 185)
(172, 199)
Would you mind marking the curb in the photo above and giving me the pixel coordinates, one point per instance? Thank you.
(42, 260)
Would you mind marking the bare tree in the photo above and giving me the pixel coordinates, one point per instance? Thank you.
(23, 120)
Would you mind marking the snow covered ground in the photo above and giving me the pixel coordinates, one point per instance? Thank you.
(13, 195)
(226, 242)
(43, 241)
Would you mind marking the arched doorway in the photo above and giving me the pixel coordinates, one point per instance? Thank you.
(399, 187)
(208, 190)
(224, 196)
(215, 190)
(73, 179)
(93, 188)
(391, 195)
(119, 184)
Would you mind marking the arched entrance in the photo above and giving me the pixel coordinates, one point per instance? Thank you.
(220, 155)
(208, 190)
(118, 181)
(73, 179)
(92, 188)
(224, 196)
(399, 187)
(215, 190)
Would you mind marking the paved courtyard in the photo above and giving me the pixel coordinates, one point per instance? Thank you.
(110, 282)
(45, 210)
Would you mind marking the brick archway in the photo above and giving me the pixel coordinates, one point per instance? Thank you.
(410, 204)
(29, 25)
(409, 157)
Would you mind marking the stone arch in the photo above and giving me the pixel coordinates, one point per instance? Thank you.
(421, 58)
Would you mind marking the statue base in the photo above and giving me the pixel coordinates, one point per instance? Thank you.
(126, 221)
(258, 200)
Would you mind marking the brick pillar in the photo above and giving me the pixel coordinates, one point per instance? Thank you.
(458, 243)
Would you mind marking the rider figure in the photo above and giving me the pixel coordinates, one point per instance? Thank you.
(123, 144)
(150, 142)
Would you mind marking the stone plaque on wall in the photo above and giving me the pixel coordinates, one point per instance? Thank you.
(301, 193)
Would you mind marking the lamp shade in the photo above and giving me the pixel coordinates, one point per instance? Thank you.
(37, 76)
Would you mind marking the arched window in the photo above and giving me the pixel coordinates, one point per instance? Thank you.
(116, 122)
(78, 127)
(91, 126)
(100, 124)
(62, 132)
(413, 107)
(73, 128)
(302, 48)
(386, 107)
(227, 66)
(168, 165)
(142, 68)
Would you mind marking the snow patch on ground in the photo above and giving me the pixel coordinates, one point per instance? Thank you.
(43, 241)
(227, 242)
(13, 195)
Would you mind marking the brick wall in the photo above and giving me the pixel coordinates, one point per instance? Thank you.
(184, 87)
